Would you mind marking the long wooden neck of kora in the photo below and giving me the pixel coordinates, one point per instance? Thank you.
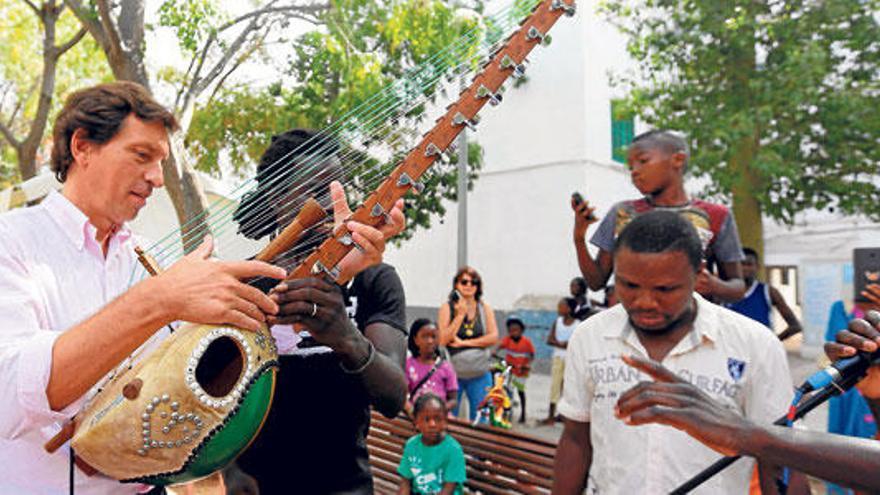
(504, 63)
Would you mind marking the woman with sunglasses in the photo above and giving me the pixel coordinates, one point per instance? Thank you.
(468, 328)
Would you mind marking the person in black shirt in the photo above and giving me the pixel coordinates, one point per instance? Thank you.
(350, 356)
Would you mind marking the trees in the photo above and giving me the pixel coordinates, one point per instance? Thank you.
(213, 44)
(362, 47)
(26, 92)
(777, 98)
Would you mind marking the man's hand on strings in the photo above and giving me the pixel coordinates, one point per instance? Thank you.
(671, 401)
(861, 335)
(370, 239)
(202, 290)
(318, 306)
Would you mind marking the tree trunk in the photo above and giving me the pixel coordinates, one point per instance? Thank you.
(746, 208)
(746, 183)
(188, 197)
(27, 160)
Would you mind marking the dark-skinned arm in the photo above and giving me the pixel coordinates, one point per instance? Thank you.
(574, 455)
(671, 401)
(794, 325)
(383, 379)
(383, 376)
(551, 336)
(728, 286)
(448, 488)
(405, 488)
(451, 399)
(595, 271)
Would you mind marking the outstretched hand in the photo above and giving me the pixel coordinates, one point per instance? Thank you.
(203, 290)
(671, 401)
(861, 335)
(371, 240)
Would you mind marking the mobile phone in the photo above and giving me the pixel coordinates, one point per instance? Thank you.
(866, 270)
(578, 199)
(455, 295)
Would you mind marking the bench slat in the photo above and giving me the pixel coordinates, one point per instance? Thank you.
(498, 461)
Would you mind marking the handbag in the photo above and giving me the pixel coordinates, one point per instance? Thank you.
(471, 362)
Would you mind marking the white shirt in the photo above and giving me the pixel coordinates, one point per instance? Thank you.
(53, 275)
(730, 357)
(563, 334)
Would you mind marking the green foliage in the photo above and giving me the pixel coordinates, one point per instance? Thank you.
(363, 47)
(193, 21)
(21, 58)
(791, 85)
(8, 171)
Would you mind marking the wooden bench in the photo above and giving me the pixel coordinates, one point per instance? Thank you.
(498, 461)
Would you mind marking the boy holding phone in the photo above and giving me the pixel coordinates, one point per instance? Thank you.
(657, 161)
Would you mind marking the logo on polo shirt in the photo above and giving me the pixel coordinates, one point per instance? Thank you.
(736, 368)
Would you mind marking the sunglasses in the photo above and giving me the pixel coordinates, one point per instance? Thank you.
(467, 281)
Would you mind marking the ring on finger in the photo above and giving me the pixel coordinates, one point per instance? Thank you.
(314, 310)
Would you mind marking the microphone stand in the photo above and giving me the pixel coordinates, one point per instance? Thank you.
(802, 409)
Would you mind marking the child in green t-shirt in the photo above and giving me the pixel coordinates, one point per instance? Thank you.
(433, 461)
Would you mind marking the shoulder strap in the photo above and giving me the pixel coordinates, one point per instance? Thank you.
(426, 378)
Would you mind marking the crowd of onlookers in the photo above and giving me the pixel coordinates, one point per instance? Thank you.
(682, 275)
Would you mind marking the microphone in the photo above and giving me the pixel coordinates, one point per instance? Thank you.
(842, 374)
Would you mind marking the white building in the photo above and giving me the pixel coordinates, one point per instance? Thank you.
(549, 138)
(553, 136)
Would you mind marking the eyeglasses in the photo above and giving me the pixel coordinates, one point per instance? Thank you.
(467, 281)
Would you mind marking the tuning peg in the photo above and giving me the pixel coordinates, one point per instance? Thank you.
(460, 119)
(535, 34)
(519, 70)
(484, 92)
(406, 180)
(431, 149)
(568, 9)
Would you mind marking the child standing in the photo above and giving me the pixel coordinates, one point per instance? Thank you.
(558, 337)
(657, 161)
(432, 462)
(426, 370)
(519, 354)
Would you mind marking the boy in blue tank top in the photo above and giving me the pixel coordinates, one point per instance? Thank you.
(760, 299)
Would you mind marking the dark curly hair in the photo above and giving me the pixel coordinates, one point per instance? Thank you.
(296, 146)
(661, 231)
(100, 111)
(426, 399)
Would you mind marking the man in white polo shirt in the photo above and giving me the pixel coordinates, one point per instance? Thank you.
(730, 357)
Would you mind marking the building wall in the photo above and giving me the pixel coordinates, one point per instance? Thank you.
(549, 138)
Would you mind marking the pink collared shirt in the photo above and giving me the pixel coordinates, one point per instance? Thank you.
(53, 275)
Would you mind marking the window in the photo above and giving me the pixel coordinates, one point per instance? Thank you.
(621, 130)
